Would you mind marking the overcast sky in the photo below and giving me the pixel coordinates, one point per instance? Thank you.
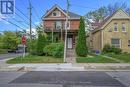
(80, 7)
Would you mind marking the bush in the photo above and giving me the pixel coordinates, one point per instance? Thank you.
(3, 51)
(117, 50)
(107, 48)
(54, 49)
(31, 47)
(111, 49)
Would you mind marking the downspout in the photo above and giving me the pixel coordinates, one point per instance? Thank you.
(102, 39)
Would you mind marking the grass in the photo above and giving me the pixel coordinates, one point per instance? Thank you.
(124, 56)
(35, 59)
(94, 59)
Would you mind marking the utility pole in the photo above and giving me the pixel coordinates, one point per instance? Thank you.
(66, 25)
(30, 24)
(30, 20)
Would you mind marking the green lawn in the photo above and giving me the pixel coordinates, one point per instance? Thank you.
(94, 59)
(124, 57)
(35, 59)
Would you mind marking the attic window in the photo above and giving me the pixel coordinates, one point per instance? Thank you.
(56, 14)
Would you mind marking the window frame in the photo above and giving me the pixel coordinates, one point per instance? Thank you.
(68, 27)
(116, 45)
(56, 26)
(58, 13)
(124, 27)
(115, 26)
(129, 43)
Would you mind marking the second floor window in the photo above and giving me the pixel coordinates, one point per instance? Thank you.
(68, 25)
(56, 14)
(115, 42)
(128, 42)
(115, 27)
(58, 25)
(123, 27)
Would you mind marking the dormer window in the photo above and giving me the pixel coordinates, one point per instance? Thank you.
(123, 27)
(115, 27)
(56, 14)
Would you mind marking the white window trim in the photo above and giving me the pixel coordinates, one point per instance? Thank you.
(68, 28)
(58, 26)
(119, 41)
(114, 27)
(128, 43)
(56, 12)
(122, 27)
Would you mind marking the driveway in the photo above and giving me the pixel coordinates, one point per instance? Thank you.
(9, 55)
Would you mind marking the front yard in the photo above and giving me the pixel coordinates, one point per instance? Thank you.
(35, 59)
(105, 58)
(123, 57)
(94, 59)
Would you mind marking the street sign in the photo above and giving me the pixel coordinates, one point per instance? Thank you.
(23, 40)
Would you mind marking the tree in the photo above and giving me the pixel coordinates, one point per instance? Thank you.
(81, 47)
(97, 15)
(10, 40)
(41, 42)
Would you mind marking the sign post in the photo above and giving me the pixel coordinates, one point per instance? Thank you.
(23, 42)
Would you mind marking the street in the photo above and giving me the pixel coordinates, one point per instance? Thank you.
(64, 79)
(9, 55)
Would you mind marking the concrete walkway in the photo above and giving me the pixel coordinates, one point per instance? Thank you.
(71, 56)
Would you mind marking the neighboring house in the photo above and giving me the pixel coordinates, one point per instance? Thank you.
(114, 30)
(54, 22)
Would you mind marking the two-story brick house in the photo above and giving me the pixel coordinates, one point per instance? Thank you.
(54, 22)
(114, 30)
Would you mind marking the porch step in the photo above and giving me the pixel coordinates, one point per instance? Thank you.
(71, 57)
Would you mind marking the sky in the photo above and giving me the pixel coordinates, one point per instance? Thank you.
(80, 7)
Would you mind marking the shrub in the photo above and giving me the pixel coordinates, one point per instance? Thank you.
(81, 46)
(3, 51)
(107, 48)
(31, 47)
(41, 42)
(111, 49)
(117, 50)
(54, 49)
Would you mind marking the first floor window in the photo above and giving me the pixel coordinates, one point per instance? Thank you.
(128, 42)
(115, 42)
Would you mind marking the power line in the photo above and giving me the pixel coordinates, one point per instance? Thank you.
(22, 18)
(12, 23)
(18, 21)
(22, 13)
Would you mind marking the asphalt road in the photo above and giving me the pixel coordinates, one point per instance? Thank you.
(64, 79)
(9, 55)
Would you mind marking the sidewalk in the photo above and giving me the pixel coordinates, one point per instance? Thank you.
(64, 66)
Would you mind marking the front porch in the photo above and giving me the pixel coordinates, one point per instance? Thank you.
(58, 36)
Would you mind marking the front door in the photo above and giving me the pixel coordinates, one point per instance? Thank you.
(69, 42)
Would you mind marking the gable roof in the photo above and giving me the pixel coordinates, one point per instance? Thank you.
(119, 14)
(70, 14)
